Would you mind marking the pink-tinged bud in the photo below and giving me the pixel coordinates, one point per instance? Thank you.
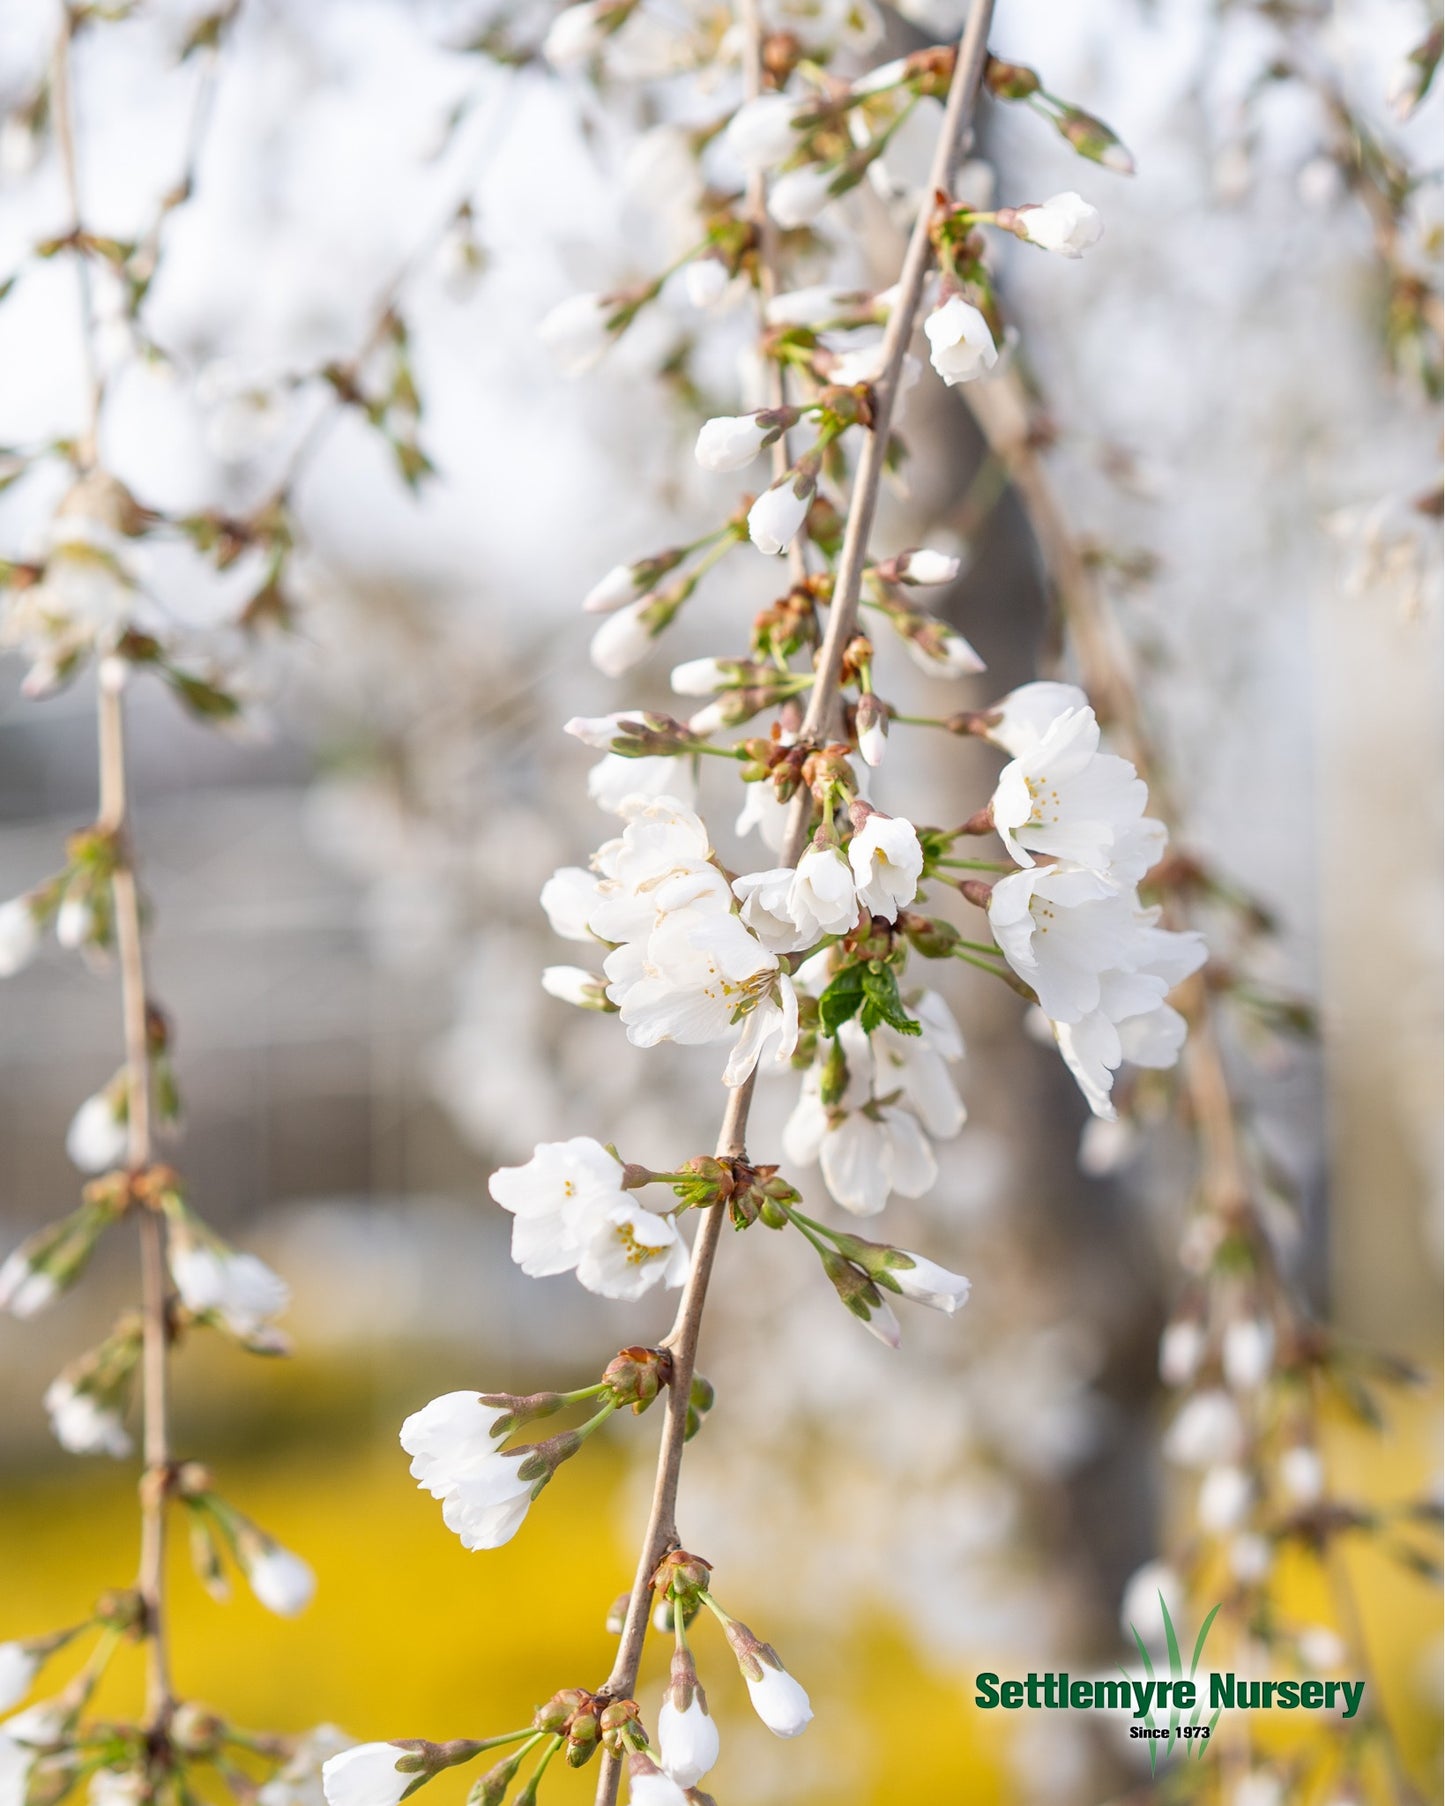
(871, 725)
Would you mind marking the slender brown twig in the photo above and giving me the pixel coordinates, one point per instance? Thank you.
(114, 820)
(682, 1339)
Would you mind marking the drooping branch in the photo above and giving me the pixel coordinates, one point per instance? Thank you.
(113, 821)
(682, 1339)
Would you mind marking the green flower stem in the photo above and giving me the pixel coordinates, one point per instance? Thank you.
(977, 865)
(595, 1423)
(529, 1792)
(583, 1392)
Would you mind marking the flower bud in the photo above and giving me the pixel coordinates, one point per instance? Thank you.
(778, 513)
(578, 330)
(280, 1580)
(368, 1775)
(647, 1784)
(797, 197)
(728, 442)
(636, 1376)
(1010, 81)
(926, 567)
(1181, 1351)
(1066, 224)
(862, 1298)
(19, 935)
(19, 1665)
(777, 1698)
(619, 1722)
(760, 134)
(195, 1731)
(555, 1714)
(584, 990)
(1093, 139)
(686, 1734)
(871, 726)
(97, 1138)
(930, 936)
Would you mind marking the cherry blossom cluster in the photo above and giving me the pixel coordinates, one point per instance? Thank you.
(803, 963)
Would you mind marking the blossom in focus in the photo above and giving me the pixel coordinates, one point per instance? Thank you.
(865, 1150)
(961, 346)
(1066, 224)
(366, 1776)
(887, 863)
(558, 1198)
(777, 515)
(631, 1250)
(1061, 929)
(456, 1458)
(1022, 719)
(1067, 800)
(728, 442)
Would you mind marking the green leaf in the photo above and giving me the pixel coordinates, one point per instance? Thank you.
(882, 1002)
(842, 1000)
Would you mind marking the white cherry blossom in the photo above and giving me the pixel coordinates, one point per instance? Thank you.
(728, 442)
(558, 1198)
(798, 196)
(19, 1665)
(1061, 929)
(1021, 720)
(280, 1580)
(629, 1251)
(961, 346)
(83, 1423)
(457, 1460)
(778, 1699)
(1066, 223)
(776, 516)
(887, 863)
(96, 1140)
(366, 1776)
(1065, 799)
(19, 935)
(760, 133)
(575, 331)
(238, 1288)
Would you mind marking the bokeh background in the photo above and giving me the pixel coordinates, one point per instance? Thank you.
(344, 926)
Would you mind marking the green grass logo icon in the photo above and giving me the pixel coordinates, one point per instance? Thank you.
(1165, 1746)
